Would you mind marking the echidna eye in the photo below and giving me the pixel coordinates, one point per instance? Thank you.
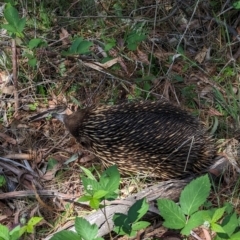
(84, 144)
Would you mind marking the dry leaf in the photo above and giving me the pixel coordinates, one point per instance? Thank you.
(99, 66)
(143, 57)
(201, 55)
(64, 36)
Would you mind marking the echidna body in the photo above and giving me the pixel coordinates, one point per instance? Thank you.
(157, 139)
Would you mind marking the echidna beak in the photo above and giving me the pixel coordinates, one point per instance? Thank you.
(57, 113)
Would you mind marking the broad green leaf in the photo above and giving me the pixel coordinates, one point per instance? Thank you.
(11, 14)
(85, 198)
(235, 236)
(121, 224)
(64, 235)
(32, 62)
(218, 214)
(137, 210)
(29, 228)
(15, 233)
(217, 228)
(83, 47)
(79, 46)
(94, 203)
(236, 5)
(34, 220)
(9, 28)
(90, 186)
(100, 194)
(172, 214)
(230, 223)
(195, 194)
(195, 220)
(85, 229)
(208, 214)
(36, 42)
(110, 179)
(140, 225)
(88, 173)
(4, 232)
(21, 24)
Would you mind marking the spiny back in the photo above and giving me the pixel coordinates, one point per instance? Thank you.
(154, 138)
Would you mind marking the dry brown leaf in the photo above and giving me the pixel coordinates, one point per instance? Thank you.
(143, 57)
(8, 90)
(51, 174)
(4, 78)
(99, 66)
(8, 139)
(64, 36)
(214, 112)
(201, 55)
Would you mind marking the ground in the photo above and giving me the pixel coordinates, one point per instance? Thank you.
(89, 53)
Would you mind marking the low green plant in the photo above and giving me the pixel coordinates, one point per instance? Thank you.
(84, 230)
(104, 189)
(18, 231)
(15, 25)
(2, 181)
(130, 224)
(97, 191)
(79, 46)
(187, 215)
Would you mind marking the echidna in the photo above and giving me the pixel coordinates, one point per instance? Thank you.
(157, 139)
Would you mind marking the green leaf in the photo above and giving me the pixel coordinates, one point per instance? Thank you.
(4, 232)
(15, 233)
(172, 214)
(235, 236)
(34, 221)
(51, 163)
(32, 62)
(140, 225)
(36, 42)
(133, 39)
(195, 194)
(100, 194)
(110, 45)
(110, 179)
(3, 181)
(63, 235)
(79, 46)
(85, 198)
(21, 24)
(85, 229)
(230, 223)
(236, 5)
(138, 210)
(88, 173)
(217, 228)
(12, 16)
(94, 203)
(9, 28)
(218, 214)
(121, 224)
(90, 185)
(195, 220)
